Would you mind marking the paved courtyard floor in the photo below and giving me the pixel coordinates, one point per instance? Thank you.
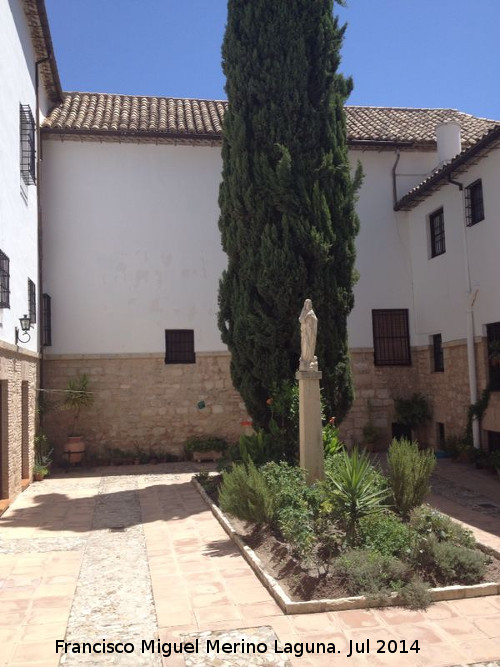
(133, 554)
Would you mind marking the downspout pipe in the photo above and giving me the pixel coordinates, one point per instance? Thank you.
(39, 221)
(394, 189)
(471, 298)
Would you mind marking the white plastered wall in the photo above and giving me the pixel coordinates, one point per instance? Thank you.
(440, 283)
(18, 205)
(131, 245)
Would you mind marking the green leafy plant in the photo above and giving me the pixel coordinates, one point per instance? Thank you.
(260, 447)
(332, 443)
(77, 398)
(386, 534)
(425, 521)
(412, 412)
(366, 572)
(205, 443)
(447, 563)
(415, 594)
(43, 451)
(494, 459)
(245, 494)
(40, 471)
(354, 490)
(409, 473)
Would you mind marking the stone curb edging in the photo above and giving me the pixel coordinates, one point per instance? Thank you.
(288, 606)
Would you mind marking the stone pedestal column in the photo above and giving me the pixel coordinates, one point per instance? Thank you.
(310, 427)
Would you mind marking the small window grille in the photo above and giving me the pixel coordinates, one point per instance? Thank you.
(4, 281)
(493, 341)
(441, 437)
(474, 207)
(391, 337)
(179, 346)
(28, 151)
(46, 321)
(438, 356)
(436, 221)
(31, 301)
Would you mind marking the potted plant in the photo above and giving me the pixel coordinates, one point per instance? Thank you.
(495, 460)
(205, 448)
(77, 398)
(494, 352)
(412, 412)
(43, 457)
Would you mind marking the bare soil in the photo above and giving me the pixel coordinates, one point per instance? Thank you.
(303, 583)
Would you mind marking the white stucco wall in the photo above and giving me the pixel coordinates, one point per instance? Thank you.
(440, 282)
(131, 245)
(383, 255)
(18, 213)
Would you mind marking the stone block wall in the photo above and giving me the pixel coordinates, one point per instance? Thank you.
(16, 367)
(141, 402)
(377, 387)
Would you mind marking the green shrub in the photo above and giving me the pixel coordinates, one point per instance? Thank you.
(415, 594)
(364, 572)
(245, 494)
(260, 447)
(409, 474)
(447, 563)
(205, 443)
(332, 443)
(412, 412)
(386, 534)
(426, 521)
(295, 505)
(354, 489)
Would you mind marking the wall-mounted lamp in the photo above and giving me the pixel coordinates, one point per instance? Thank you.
(25, 327)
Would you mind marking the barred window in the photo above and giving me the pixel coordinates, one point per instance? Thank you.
(436, 222)
(179, 346)
(46, 321)
(31, 301)
(474, 207)
(28, 149)
(493, 340)
(391, 337)
(437, 353)
(4, 281)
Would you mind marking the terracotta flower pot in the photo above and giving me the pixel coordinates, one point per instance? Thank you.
(74, 449)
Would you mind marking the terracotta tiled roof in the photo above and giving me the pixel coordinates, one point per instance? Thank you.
(36, 17)
(93, 113)
(451, 169)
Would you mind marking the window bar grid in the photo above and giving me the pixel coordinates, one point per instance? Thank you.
(46, 321)
(391, 338)
(437, 233)
(179, 346)
(28, 151)
(4, 281)
(31, 301)
(437, 344)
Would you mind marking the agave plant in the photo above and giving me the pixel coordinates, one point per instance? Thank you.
(356, 490)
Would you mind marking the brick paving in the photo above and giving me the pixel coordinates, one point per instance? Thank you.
(135, 551)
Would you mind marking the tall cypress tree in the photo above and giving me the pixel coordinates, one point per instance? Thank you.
(288, 222)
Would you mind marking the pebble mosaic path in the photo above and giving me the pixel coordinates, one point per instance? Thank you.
(134, 553)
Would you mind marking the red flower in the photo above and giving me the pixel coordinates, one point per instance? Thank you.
(332, 421)
(269, 401)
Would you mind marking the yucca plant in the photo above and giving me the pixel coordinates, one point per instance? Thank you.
(355, 490)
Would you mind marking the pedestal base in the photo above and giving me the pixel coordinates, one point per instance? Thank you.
(310, 426)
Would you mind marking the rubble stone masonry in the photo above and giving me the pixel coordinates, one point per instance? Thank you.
(17, 424)
(142, 403)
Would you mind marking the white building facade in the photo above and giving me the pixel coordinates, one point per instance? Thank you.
(109, 242)
(29, 87)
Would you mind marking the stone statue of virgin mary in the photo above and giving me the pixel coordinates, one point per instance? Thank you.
(308, 330)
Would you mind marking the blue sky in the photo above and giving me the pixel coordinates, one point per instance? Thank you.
(427, 53)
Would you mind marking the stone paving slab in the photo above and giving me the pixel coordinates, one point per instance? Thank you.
(173, 569)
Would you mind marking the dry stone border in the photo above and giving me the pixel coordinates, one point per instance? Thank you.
(289, 606)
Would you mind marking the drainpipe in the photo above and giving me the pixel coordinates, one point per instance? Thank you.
(471, 298)
(394, 189)
(39, 220)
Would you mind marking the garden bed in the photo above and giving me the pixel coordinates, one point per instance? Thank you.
(299, 589)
